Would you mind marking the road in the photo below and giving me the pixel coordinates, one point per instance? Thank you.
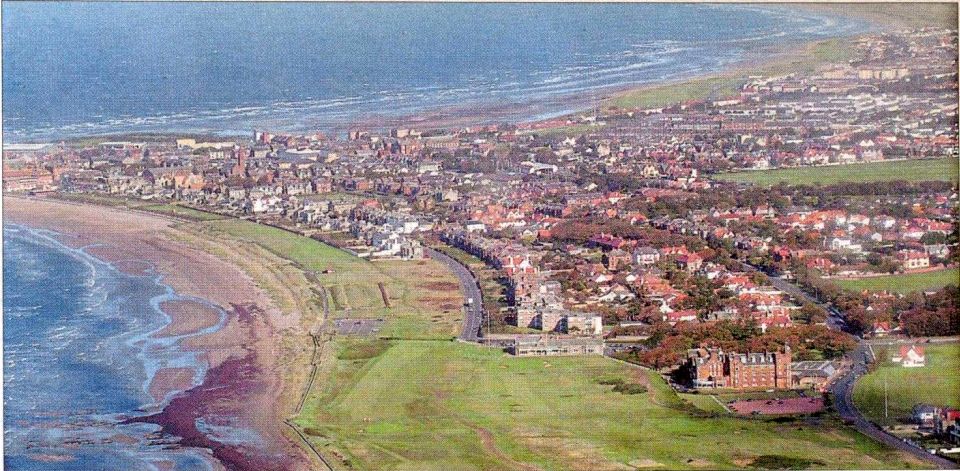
(834, 319)
(842, 388)
(842, 391)
(473, 315)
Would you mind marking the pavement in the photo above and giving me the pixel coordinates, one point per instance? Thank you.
(358, 327)
(473, 315)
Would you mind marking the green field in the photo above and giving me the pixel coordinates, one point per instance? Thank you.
(904, 283)
(910, 170)
(446, 405)
(694, 89)
(705, 402)
(425, 298)
(938, 383)
(420, 401)
(119, 201)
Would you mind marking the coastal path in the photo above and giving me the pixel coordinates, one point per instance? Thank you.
(473, 311)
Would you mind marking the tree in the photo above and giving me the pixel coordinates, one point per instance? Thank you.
(812, 313)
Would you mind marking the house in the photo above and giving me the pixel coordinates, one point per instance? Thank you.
(617, 259)
(690, 262)
(912, 356)
(913, 259)
(646, 256)
(947, 424)
(674, 317)
(881, 329)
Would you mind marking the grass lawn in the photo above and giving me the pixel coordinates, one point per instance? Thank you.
(938, 383)
(448, 405)
(694, 89)
(904, 283)
(705, 402)
(910, 170)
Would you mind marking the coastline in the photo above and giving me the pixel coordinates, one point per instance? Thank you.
(767, 56)
(241, 397)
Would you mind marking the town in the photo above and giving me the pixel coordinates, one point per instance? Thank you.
(730, 243)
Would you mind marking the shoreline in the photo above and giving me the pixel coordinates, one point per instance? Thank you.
(234, 347)
(544, 109)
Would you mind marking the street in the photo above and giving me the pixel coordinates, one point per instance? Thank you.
(842, 392)
(473, 315)
(842, 388)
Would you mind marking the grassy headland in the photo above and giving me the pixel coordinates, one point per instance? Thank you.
(802, 59)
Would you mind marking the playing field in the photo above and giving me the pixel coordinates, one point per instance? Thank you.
(937, 383)
(448, 405)
(904, 283)
(910, 170)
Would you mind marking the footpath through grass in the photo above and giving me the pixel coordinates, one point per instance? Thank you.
(937, 383)
(450, 405)
(911, 170)
(904, 283)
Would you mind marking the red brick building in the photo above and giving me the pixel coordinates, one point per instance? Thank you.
(712, 368)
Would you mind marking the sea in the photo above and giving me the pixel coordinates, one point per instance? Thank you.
(78, 348)
(88, 68)
(78, 357)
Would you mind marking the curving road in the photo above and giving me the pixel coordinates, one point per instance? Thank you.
(842, 392)
(842, 389)
(473, 312)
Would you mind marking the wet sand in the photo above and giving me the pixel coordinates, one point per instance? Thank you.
(243, 385)
(167, 380)
(188, 317)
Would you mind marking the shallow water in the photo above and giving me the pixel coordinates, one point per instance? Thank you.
(79, 357)
(86, 68)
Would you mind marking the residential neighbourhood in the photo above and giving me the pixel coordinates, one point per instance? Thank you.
(637, 233)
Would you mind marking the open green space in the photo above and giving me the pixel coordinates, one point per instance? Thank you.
(911, 170)
(448, 405)
(121, 201)
(705, 402)
(895, 15)
(937, 383)
(904, 283)
(424, 297)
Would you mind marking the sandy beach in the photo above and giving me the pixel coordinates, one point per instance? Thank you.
(243, 388)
